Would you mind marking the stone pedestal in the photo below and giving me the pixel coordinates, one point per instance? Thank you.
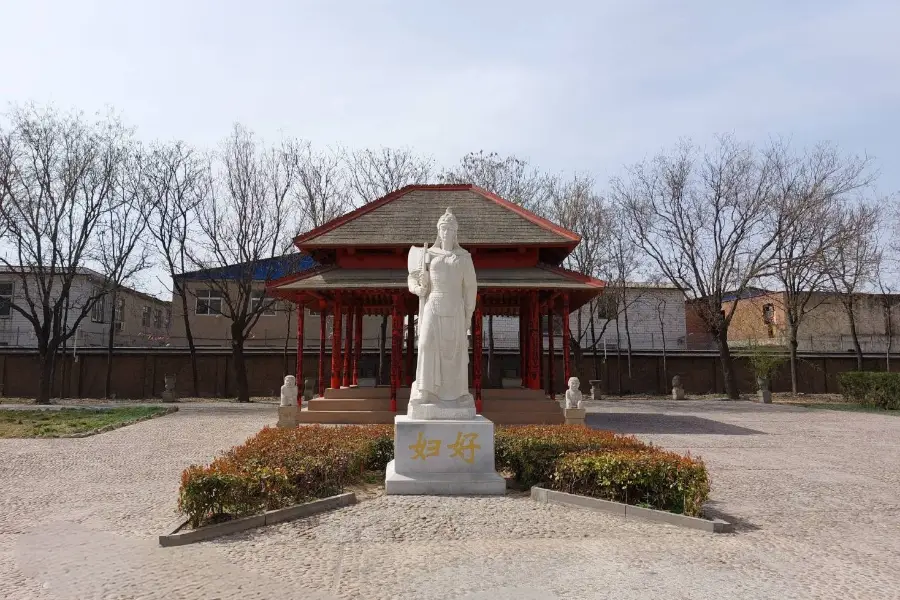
(574, 416)
(288, 416)
(678, 393)
(168, 394)
(444, 458)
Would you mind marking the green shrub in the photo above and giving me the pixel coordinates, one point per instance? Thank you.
(873, 389)
(280, 467)
(530, 452)
(660, 480)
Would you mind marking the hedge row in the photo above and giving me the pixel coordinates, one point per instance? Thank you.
(601, 464)
(277, 468)
(281, 467)
(874, 389)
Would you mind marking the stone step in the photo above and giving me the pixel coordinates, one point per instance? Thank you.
(354, 392)
(347, 417)
(376, 404)
(507, 418)
(359, 417)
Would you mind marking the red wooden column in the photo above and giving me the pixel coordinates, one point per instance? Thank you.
(566, 341)
(410, 347)
(323, 312)
(477, 351)
(396, 342)
(336, 343)
(357, 344)
(299, 373)
(346, 375)
(523, 342)
(534, 341)
(550, 343)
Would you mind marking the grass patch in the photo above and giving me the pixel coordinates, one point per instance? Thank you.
(50, 423)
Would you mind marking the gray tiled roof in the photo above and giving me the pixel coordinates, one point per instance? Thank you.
(412, 219)
(337, 278)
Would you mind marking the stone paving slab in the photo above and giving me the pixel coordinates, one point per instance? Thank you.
(813, 493)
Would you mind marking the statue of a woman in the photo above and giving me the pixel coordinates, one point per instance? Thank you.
(444, 279)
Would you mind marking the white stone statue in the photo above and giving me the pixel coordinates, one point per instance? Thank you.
(444, 279)
(289, 391)
(574, 397)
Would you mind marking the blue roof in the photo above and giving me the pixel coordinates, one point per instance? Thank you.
(261, 270)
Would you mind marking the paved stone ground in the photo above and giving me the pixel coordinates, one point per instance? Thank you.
(814, 494)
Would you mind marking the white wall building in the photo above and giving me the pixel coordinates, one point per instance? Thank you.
(141, 319)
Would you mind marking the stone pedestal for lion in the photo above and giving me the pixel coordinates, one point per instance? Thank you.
(441, 447)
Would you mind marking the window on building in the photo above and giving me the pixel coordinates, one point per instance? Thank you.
(769, 314)
(606, 308)
(168, 321)
(120, 314)
(145, 316)
(98, 311)
(209, 302)
(268, 303)
(6, 298)
(157, 318)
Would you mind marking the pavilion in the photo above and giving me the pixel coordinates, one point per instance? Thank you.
(362, 258)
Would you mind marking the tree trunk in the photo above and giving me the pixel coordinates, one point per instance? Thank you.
(242, 385)
(662, 333)
(195, 377)
(382, 341)
(851, 315)
(107, 388)
(792, 348)
(45, 377)
(596, 357)
(490, 360)
(627, 335)
(618, 358)
(728, 373)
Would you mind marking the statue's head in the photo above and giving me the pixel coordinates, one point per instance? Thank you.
(290, 380)
(574, 383)
(447, 227)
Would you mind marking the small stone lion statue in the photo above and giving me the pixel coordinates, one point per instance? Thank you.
(289, 391)
(574, 397)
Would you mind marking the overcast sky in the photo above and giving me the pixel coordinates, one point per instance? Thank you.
(587, 86)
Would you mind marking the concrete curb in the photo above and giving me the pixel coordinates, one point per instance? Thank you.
(543, 495)
(267, 518)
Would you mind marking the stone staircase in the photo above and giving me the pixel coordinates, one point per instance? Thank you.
(356, 405)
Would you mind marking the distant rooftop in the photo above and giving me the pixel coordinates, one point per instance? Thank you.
(262, 270)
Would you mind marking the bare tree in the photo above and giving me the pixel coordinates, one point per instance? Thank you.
(700, 218)
(246, 229)
(122, 251)
(376, 173)
(510, 177)
(57, 179)
(176, 182)
(323, 190)
(623, 261)
(853, 262)
(810, 190)
(574, 204)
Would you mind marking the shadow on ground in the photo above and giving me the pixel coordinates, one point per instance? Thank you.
(711, 510)
(663, 424)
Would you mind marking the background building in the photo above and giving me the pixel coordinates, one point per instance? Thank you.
(275, 328)
(760, 318)
(140, 319)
